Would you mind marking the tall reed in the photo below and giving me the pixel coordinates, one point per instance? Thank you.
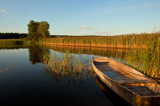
(121, 41)
(67, 66)
(146, 60)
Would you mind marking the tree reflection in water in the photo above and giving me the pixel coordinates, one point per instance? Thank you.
(36, 53)
(64, 68)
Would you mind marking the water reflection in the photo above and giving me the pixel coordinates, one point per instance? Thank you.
(39, 84)
(144, 60)
(65, 68)
(109, 52)
(36, 53)
(70, 68)
(109, 93)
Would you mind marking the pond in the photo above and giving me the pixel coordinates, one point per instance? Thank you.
(25, 78)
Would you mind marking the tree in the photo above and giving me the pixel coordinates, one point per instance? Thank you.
(38, 30)
(43, 29)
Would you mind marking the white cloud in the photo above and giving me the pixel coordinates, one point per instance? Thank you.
(146, 5)
(85, 27)
(2, 10)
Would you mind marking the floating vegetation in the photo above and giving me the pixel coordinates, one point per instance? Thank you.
(67, 66)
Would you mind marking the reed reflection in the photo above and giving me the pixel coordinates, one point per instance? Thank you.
(67, 68)
(145, 60)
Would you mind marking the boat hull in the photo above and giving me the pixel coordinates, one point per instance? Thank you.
(122, 91)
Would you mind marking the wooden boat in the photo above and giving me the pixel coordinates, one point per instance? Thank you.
(128, 83)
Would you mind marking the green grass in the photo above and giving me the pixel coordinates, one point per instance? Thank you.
(14, 42)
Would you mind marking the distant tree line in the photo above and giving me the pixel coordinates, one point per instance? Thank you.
(12, 35)
(38, 30)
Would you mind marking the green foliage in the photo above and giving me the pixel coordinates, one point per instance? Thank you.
(43, 29)
(37, 30)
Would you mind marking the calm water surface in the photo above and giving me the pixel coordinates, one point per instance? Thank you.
(24, 79)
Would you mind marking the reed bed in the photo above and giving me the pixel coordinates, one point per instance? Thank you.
(14, 42)
(67, 66)
(145, 60)
(121, 41)
(11, 41)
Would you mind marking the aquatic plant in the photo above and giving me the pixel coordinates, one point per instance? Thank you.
(146, 60)
(67, 66)
(14, 42)
(119, 41)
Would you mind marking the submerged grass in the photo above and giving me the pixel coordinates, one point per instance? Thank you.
(67, 66)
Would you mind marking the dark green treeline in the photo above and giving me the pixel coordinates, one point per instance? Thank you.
(12, 35)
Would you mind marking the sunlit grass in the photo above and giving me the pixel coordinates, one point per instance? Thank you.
(145, 60)
(120, 41)
(67, 66)
(146, 56)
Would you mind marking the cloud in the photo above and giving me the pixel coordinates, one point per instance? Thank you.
(85, 27)
(146, 5)
(2, 10)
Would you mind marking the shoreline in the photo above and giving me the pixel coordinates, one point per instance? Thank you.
(92, 46)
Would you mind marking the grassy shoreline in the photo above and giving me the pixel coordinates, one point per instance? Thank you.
(121, 41)
(92, 46)
(147, 61)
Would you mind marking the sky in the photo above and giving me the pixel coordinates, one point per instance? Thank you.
(82, 17)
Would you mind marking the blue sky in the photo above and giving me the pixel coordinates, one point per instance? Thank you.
(82, 17)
